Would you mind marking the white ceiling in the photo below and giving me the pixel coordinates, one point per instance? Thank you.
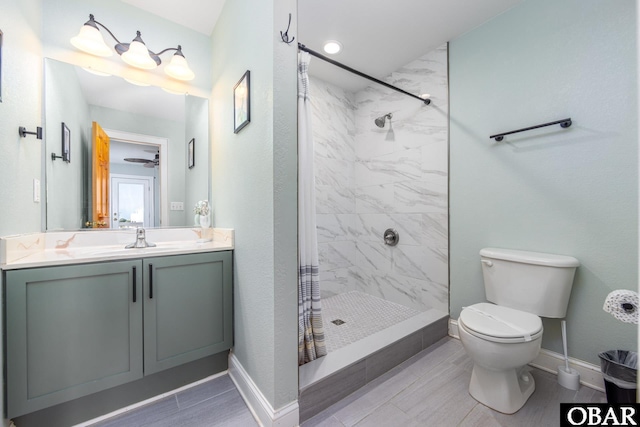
(378, 36)
(199, 15)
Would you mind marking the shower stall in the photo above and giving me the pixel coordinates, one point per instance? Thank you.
(381, 170)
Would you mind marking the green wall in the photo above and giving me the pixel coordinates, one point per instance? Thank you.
(197, 179)
(254, 188)
(568, 191)
(67, 204)
(21, 105)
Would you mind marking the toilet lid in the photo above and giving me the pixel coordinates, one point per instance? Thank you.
(500, 322)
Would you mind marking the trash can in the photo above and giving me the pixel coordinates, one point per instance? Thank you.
(619, 368)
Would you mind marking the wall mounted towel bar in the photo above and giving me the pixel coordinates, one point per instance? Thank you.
(564, 123)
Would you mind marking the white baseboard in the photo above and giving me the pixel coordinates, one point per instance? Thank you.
(263, 412)
(590, 374)
(547, 360)
(453, 328)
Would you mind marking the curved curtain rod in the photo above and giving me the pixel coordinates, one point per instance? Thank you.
(302, 47)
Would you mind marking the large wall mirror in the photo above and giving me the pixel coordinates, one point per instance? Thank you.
(116, 152)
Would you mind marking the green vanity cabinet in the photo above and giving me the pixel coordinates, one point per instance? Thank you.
(78, 329)
(71, 331)
(187, 308)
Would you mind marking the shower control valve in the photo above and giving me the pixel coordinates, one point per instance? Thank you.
(391, 237)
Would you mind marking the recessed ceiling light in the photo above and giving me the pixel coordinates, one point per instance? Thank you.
(332, 47)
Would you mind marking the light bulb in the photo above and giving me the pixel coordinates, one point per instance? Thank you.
(178, 68)
(138, 56)
(90, 40)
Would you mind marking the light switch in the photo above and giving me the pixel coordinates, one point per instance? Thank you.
(177, 206)
(36, 190)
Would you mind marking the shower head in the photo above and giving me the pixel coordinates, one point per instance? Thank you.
(380, 120)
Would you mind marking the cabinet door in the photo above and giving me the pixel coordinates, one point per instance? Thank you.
(188, 308)
(71, 331)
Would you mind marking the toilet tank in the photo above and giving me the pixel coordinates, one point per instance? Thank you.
(535, 282)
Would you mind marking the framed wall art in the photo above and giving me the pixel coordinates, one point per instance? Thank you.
(66, 144)
(191, 153)
(241, 103)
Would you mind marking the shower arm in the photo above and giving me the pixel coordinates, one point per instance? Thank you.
(302, 47)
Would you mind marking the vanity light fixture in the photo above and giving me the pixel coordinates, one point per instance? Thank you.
(332, 47)
(136, 53)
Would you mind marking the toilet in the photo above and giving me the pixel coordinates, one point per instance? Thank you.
(503, 335)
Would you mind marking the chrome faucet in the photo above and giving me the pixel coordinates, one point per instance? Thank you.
(141, 241)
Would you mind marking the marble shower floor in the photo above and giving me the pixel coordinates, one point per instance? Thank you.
(362, 314)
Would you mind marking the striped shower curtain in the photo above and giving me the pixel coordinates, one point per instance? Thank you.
(310, 330)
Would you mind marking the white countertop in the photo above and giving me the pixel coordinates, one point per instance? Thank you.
(62, 248)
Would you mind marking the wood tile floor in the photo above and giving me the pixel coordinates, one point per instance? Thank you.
(211, 404)
(430, 389)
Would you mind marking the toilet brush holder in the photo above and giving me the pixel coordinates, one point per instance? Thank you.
(568, 378)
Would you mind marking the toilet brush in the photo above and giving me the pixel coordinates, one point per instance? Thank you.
(567, 377)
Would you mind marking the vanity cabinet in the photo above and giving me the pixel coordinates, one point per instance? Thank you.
(187, 308)
(79, 329)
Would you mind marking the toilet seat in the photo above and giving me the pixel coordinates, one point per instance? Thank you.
(500, 324)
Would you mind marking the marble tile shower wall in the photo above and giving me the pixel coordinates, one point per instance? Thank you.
(369, 179)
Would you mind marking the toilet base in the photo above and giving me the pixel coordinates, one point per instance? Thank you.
(505, 391)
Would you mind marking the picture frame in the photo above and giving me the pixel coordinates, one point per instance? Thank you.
(191, 153)
(66, 144)
(242, 102)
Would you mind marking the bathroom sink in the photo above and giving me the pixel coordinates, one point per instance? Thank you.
(120, 251)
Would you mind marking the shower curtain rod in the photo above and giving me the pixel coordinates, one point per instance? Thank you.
(302, 47)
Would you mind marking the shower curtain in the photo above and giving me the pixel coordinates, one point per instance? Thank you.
(311, 343)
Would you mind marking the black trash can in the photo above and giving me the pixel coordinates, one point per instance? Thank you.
(619, 368)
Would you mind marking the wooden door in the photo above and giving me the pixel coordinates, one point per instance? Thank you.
(99, 178)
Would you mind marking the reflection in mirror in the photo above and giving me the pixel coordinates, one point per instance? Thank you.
(128, 152)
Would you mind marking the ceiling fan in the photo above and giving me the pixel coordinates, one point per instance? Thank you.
(147, 163)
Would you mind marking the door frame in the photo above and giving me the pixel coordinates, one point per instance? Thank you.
(163, 144)
(151, 195)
